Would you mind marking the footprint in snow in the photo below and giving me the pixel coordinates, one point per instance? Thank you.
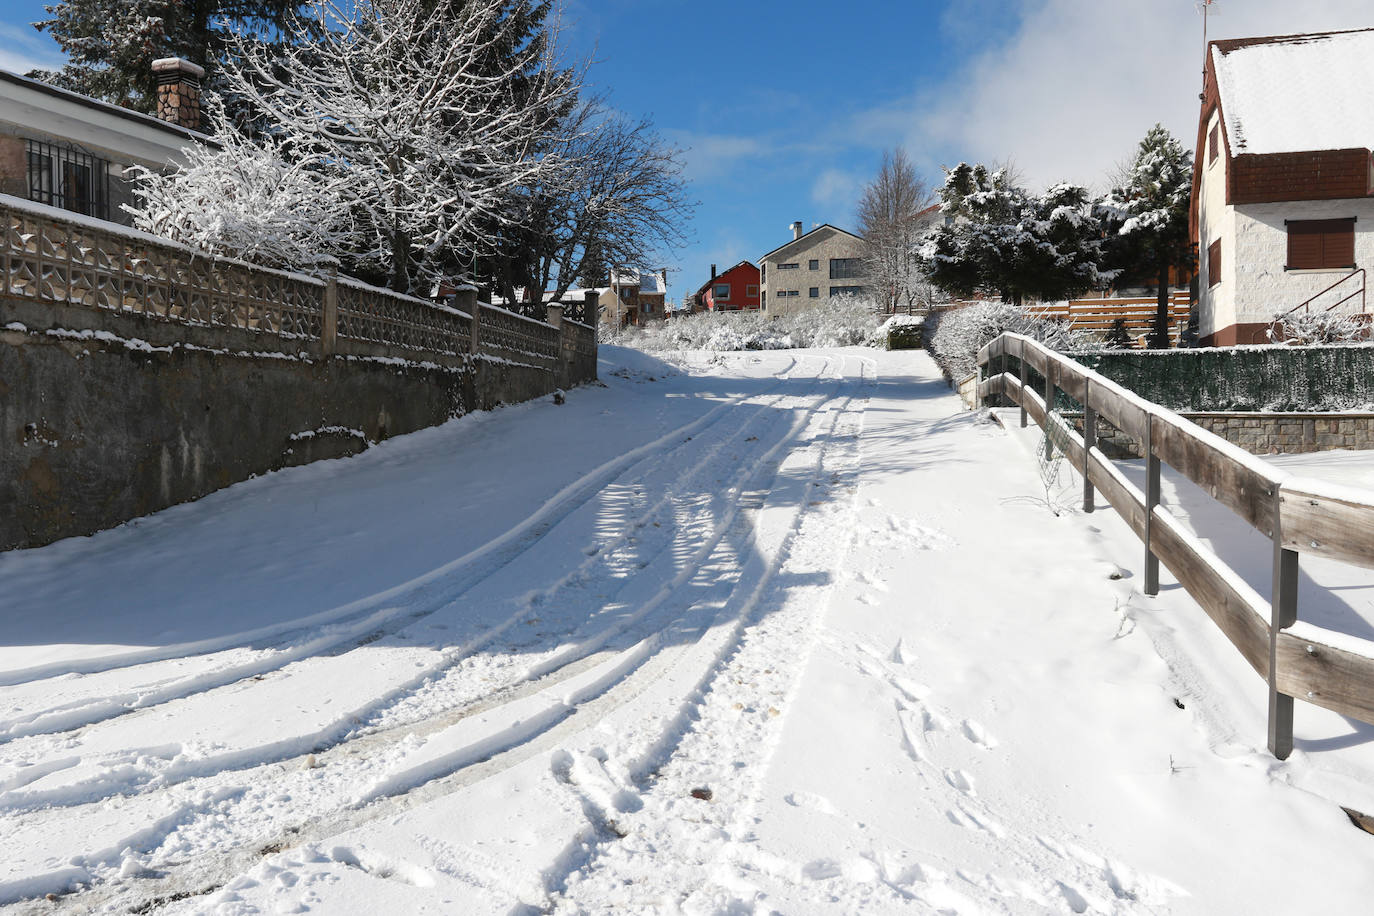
(901, 655)
(911, 689)
(811, 801)
(977, 734)
(961, 781)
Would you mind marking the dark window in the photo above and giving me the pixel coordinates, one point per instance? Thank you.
(722, 291)
(815, 292)
(845, 268)
(1314, 244)
(790, 266)
(1213, 143)
(847, 290)
(66, 177)
(751, 291)
(813, 264)
(1214, 263)
(782, 293)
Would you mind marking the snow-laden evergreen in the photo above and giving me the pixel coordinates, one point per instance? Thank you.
(1005, 241)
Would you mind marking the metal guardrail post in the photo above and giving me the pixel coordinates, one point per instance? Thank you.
(1283, 614)
(1021, 371)
(1089, 443)
(1151, 500)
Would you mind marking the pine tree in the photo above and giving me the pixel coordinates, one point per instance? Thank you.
(111, 44)
(1150, 219)
(1006, 241)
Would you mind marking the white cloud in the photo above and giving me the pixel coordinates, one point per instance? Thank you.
(836, 189)
(23, 49)
(709, 156)
(1076, 85)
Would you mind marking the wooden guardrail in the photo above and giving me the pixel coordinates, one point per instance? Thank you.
(1299, 515)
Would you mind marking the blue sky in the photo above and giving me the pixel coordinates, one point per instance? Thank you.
(785, 108)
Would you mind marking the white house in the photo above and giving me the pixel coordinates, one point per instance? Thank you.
(71, 151)
(1282, 212)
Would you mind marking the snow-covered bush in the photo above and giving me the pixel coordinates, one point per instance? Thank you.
(242, 199)
(902, 332)
(954, 337)
(841, 322)
(1307, 328)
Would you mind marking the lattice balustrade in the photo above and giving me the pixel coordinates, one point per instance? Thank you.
(522, 340)
(55, 260)
(368, 313)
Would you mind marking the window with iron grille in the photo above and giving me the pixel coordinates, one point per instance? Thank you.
(844, 268)
(70, 178)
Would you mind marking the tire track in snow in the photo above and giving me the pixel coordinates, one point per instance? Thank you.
(650, 653)
(361, 619)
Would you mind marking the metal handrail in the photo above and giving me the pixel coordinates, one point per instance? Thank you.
(1360, 271)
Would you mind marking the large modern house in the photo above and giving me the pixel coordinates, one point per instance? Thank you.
(71, 151)
(1281, 212)
(825, 262)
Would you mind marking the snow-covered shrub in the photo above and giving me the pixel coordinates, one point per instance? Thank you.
(242, 199)
(841, 322)
(902, 332)
(954, 337)
(1307, 328)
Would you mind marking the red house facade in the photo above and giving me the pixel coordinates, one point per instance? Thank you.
(735, 290)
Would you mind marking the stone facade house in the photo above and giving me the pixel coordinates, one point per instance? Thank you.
(825, 262)
(640, 296)
(1282, 212)
(71, 151)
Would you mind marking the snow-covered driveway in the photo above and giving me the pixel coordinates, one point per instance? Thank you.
(754, 632)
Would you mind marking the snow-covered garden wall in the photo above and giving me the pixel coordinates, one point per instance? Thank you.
(135, 375)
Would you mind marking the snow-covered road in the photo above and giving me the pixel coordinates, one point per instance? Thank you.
(747, 632)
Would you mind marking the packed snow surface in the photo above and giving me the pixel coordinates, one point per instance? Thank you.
(1304, 92)
(755, 632)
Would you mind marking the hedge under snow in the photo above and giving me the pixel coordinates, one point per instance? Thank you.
(839, 322)
(955, 337)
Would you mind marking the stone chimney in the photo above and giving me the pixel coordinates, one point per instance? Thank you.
(663, 280)
(178, 91)
(796, 230)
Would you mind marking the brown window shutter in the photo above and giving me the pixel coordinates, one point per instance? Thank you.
(1314, 244)
(1214, 263)
(1213, 144)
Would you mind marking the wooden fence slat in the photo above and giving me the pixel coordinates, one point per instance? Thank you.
(1120, 411)
(1070, 377)
(1332, 525)
(1327, 676)
(1233, 605)
(1209, 461)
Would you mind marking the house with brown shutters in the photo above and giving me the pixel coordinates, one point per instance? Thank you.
(1282, 212)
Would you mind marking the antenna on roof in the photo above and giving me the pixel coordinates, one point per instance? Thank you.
(1205, 7)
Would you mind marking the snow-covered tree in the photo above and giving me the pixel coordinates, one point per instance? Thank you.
(1006, 241)
(432, 114)
(888, 218)
(1150, 219)
(246, 199)
(111, 44)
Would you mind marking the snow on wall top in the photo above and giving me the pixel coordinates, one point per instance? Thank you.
(1299, 93)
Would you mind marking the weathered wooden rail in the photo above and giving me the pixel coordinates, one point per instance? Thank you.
(1299, 515)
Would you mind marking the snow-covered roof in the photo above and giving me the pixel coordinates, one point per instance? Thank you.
(1296, 93)
(648, 281)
